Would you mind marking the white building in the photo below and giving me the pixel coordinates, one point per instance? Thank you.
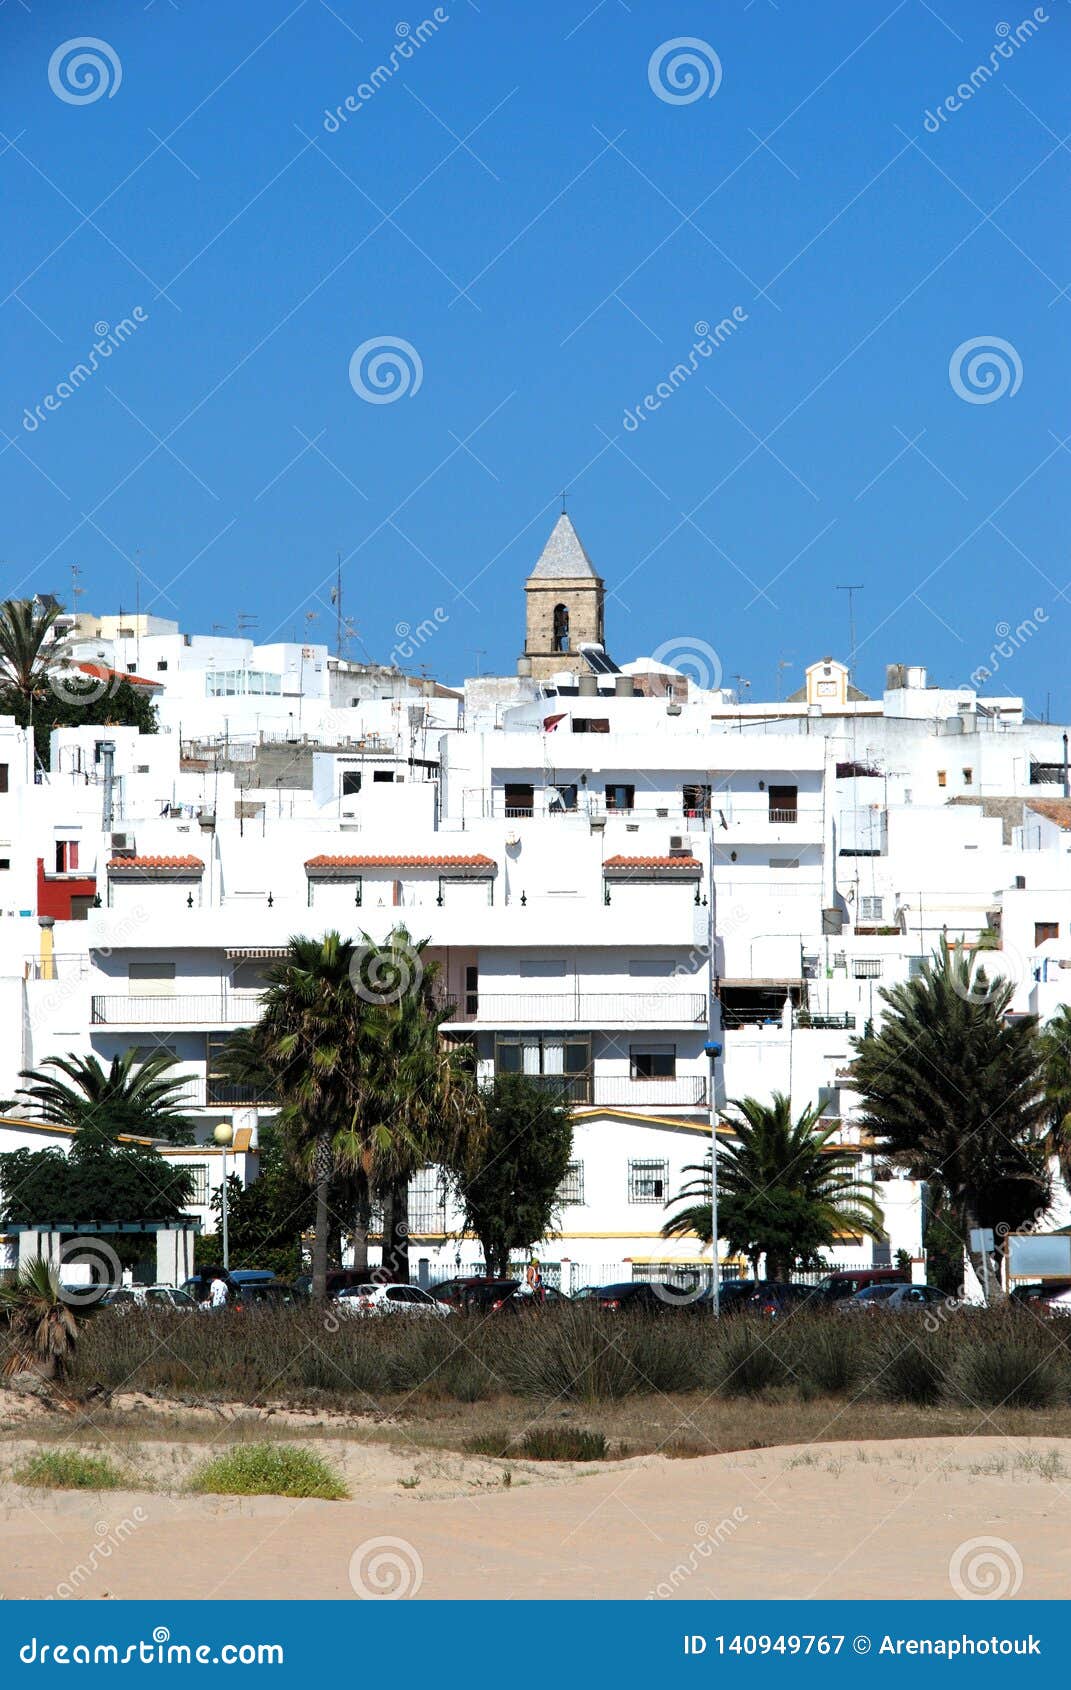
(613, 868)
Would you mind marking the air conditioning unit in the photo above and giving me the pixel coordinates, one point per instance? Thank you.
(122, 845)
(680, 845)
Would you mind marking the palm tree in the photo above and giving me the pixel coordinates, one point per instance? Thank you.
(953, 1092)
(421, 1099)
(784, 1189)
(139, 1098)
(42, 1327)
(27, 646)
(1055, 1042)
(310, 1034)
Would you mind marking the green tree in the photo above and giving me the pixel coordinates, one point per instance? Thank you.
(27, 645)
(953, 1092)
(266, 1219)
(98, 1181)
(784, 1190)
(140, 1098)
(312, 1041)
(421, 1103)
(43, 1328)
(509, 1179)
(1055, 1045)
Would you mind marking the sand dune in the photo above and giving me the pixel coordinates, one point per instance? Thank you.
(881, 1519)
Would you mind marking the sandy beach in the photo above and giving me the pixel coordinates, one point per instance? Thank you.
(916, 1519)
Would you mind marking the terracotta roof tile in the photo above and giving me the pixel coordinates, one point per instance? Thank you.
(1056, 810)
(401, 862)
(156, 862)
(102, 672)
(653, 862)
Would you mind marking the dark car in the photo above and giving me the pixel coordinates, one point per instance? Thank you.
(338, 1279)
(522, 1301)
(264, 1294)
(773, 1298)
(473, 1294)
(638, 1296)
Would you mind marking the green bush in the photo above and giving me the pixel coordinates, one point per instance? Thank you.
(747, 1360)
(563, 1443)
(910, 1367)
(1011, 1370)
(268, 1470)
(66, 1469)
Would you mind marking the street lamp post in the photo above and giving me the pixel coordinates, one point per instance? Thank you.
(224, 1137)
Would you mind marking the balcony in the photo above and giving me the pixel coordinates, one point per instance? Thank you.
(620, 1092)
(805, 1018)
(585, 1009)
(206, 1009)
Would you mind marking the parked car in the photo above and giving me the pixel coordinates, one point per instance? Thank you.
(637, 1296)
(406, 1300)
(263, 1294)
(148, 1297)
(774, 1298)
(845, 1282)
(895, 1299)
(523, 1301)
(472, 1293)
(1049, 1296)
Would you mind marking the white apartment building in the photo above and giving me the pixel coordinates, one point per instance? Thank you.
(613, 868)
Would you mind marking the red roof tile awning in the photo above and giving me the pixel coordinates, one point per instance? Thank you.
(641, 868)
(444, 865)
(149, 865)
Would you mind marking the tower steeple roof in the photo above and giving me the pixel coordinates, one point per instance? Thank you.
(563, 557)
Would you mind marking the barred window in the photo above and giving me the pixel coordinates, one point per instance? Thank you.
(427, 1202)
(648, 1181)
(866, 968)
(198, 1182)
(571, 1189)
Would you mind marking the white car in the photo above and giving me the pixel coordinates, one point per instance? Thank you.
(389, 1299)
(148, 1297)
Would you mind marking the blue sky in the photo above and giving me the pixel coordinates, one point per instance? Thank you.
(545, 230)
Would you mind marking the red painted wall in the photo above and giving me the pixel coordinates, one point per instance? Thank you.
(54, 892)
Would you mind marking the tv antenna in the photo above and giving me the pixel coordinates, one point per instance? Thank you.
(856, 587)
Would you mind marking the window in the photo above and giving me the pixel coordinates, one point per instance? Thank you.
(151, 979)
(561, 799)
(591, 724)
(829, 1102)
(571, 1189)
(351, 782)
(652, 1062)
(561, 1061)
(3, 777)
(161, 663)
(871, 908)
(784, 862)
(866, 968)
(472, 989)
(520, 798)
(427, 1202)
(695, 800)
(620, 796)
(784, 802)
(131, 668)
(542, 968)
(915, 966)
(198, 1182)
(1044, 930)
(655, 967)
(968, 777)
(382, 775)
(942, 777)
(647, 1181)
(561, 627)
(5, 862)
